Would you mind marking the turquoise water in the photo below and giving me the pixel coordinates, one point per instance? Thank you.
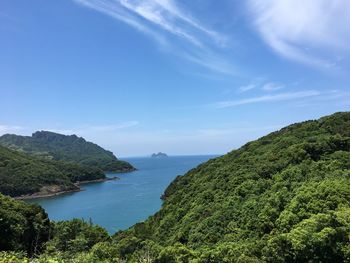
(119, 204)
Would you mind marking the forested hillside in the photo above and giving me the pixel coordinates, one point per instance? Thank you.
(50, 145)
(23, 227)
(22, 174)
(282, 198)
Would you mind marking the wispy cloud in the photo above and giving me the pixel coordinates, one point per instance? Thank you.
(334, 97)
(259, 84)
(268, 98)
(162, 19)
(114, 9)
(246, 88)
(86, 129)
(311, 32)
(271, 86)
(10, 129)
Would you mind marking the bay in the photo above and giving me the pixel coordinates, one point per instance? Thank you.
(117, 205)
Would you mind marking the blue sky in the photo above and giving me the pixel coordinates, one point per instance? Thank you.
(183, 77)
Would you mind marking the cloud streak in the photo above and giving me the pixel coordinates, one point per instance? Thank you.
(163, 19)
(247, 88)
(268, 98)
(271, 86)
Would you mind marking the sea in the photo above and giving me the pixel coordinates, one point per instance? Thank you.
(119, 204)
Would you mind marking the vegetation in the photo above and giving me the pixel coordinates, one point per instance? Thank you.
(282, 198)
(21, 174)
(23, 227)
(26, 231)
(54, 146)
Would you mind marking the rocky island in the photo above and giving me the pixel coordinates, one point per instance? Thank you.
(159, 155)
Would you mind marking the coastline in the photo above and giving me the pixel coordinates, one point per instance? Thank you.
(98, 180)
(39, 195)
(121, 171)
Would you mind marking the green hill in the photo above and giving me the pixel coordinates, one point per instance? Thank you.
(60, 147)
(22, 174)
(282, 198)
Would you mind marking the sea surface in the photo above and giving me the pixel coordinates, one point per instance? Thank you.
(118, 204)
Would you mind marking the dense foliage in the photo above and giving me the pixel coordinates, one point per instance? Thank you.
(23, 227)
(60, 147)
(23, 174)
(26, 231)
(75, 236)
(282, 198)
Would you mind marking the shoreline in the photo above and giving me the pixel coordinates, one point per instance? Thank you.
(121, 171)
(97, 180)
(38, 195)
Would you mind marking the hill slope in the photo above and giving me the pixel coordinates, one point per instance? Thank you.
(282, 198)
(23, 227)
(21, 174)
(60, 147)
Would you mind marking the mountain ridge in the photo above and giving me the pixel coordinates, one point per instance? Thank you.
(68, 148)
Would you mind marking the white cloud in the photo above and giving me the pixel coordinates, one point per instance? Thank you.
(161, 19)
(247, 87)
(268, 86)
(313, 32)
(268, 98)
(10, 129)
(271, 86)
(155, 12)
(115, 10)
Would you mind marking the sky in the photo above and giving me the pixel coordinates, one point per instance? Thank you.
(181, 77)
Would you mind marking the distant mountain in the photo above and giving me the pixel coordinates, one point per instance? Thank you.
(74, 149)
(22, 174)
(159, 155)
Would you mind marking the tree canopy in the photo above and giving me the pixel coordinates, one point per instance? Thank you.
(74, 149)
(22, 174)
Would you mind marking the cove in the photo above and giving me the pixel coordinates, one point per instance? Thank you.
(118, 204)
